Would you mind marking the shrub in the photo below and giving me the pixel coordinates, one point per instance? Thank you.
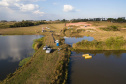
(22, 24)
(37, 43)
(111, 28)
(24, 61)
(26, 24)
(112, 43)
(3, 26)
(79, 30)
(116, 42)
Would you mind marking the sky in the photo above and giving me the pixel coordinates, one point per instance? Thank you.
(60, 9)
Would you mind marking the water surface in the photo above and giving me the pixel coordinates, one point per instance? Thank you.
(71, 40)
(13, 49)
(105, 67)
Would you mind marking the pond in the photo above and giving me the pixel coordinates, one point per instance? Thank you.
(14, 48)
(71, 40)
(105, 67)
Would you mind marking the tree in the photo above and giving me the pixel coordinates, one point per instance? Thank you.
(110, 19)
(120, 20)
(63, 20)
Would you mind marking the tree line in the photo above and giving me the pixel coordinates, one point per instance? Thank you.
(26, 24)
(120, 20)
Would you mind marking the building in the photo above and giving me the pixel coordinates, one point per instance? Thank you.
(99, 19)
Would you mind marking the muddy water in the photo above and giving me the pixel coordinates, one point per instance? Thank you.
(105, 67)
(13, 49)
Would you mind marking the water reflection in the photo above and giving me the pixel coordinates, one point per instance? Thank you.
(12, 50)
(71, 40)
(107, 53)
(105, 67)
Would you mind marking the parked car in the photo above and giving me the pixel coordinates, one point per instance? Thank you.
(45, 47)
(48, 50)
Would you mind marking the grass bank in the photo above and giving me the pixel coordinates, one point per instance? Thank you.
(112, 43)
(43, 68)
(38, 43)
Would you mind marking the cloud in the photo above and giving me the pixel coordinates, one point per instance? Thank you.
(19, 10)
(7, 2)
(27, 7)
(4, 3)
(68, 8)
(37, 12)
(37, 0)
(9, 14)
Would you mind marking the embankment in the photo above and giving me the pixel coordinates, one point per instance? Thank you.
(43, 68)
(112, 43)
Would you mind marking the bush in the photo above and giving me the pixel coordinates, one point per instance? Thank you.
(22, 24)
(24, 61)
(116, 42)
(112, 43)
(37, 43)
(110, 28)
(39, 22)
(26, 24)
(4, 26)
(89, 44)
(79, 30)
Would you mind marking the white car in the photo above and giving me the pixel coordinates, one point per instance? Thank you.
(45, 47)
(48, 50)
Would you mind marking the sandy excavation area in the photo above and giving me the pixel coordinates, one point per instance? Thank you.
(78, 24)
(83, 25)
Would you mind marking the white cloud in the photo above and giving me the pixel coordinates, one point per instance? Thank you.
(8, 2)
(39, 13)
(20, 9)
(9, 14)
(31, 0)
(4, 3)
(27, 7)
(68, 8)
